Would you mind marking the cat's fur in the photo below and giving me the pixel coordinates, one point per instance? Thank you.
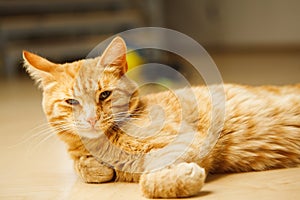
(160, 139)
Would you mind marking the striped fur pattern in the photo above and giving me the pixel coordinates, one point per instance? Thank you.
(164, 141)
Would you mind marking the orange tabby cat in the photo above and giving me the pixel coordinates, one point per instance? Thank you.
(160, 139)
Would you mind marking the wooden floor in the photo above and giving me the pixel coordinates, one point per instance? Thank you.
(34, 163)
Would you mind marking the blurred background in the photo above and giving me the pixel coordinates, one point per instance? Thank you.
(251, 41)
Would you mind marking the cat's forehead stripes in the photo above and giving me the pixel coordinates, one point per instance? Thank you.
(88, 78)
(83, 86)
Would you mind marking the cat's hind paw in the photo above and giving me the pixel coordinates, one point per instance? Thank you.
(181, 180)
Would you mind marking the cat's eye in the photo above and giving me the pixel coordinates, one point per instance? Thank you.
(72, 102)
(104, 95)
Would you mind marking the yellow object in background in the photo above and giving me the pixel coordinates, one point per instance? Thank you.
(133, 59)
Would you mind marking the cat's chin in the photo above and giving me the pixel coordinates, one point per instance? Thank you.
(93, 134)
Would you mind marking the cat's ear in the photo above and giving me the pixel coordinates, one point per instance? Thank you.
(114, 55)
(40, 69)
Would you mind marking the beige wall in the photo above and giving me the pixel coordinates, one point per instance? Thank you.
(254, 30)
(237, 22)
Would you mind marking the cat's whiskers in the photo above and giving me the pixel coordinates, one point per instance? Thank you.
(77, 124)
(129, 116)
(48, 136)
(129, 120)
(106, 120)
(38, 132)
(123, 114)
(62, 126)
(126, 114)
(50, 131)
(38, 136)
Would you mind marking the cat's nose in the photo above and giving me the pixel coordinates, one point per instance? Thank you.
(92, 121)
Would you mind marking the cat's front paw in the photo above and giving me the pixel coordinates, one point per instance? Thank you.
(181, 180)
(92, 171)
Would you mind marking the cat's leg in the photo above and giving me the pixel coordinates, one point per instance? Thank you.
(178, 180)
(92, 171)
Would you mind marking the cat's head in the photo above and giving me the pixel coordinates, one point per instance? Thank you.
(88, 96)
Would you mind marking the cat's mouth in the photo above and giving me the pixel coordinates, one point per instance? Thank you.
(90, 133)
